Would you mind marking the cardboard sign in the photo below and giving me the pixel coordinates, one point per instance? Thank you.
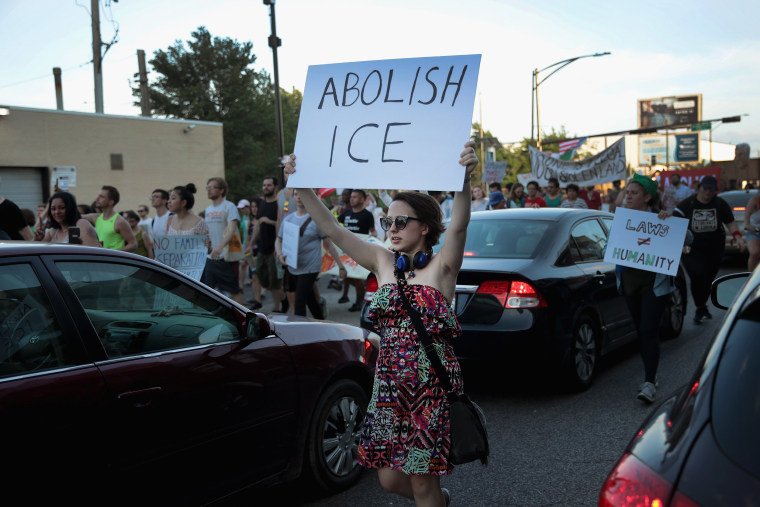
(186, 254)
(639, 239)
(494, 171)
(378, 123)
(290, 234)
(353, 269)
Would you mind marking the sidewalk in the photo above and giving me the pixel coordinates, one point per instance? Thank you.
(337, 312)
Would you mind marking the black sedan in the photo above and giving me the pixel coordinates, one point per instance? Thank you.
(702, 446)
(534, 288)
(124, 381)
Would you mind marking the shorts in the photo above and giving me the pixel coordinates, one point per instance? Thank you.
(222, 275)
(752, 236)
(288, 280)
(267, 271)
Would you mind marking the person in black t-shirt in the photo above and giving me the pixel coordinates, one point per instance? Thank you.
(12, 222)
(359, 221)
(707, 213)
(264, 235)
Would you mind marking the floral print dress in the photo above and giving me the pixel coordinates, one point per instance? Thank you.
(407, 424)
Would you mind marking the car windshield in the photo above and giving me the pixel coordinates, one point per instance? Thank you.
(736, 399)
(508, 238)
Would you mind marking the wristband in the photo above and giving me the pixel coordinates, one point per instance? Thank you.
(737, 234)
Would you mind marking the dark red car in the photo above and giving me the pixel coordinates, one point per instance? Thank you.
(123, 381)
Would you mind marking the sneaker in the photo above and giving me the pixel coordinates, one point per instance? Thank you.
(323, 307)
(446, 496)
(356, 307)
(344, 299)
(699, 316)
(647, 391)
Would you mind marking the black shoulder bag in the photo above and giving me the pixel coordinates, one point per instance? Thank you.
(469, 438)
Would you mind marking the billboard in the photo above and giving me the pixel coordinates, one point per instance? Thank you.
(666, 111)
(673, 149)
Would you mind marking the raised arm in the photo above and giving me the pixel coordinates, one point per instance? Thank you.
(456, 234)
(366, 254)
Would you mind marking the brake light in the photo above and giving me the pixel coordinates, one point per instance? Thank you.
(739, 208)
(370, 287)
(632, 483)
(513, 294)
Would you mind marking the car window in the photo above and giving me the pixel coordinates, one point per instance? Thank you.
(589, 239)
(30, 337)
(510, 239)
(736, 397)
(137, 310)
(737, 199)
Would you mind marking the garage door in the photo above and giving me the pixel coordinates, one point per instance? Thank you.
(22, 185)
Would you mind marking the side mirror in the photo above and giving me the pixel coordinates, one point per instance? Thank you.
(256, 326)
(725, 289)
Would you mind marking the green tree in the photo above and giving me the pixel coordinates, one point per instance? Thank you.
(213, 79)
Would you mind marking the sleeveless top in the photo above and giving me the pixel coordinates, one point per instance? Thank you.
(553, 203)
(107, 233)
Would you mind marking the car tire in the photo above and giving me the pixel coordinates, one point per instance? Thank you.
(675, 311)
(334, 434)
(582, 356)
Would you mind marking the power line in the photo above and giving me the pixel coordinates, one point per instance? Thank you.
(44, 76)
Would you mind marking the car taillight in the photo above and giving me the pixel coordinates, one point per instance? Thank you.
(740, 208)
(370, 287)
(633, 484)
(513, 294)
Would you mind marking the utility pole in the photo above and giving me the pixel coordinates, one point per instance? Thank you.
(97, 64)
(274, 43)
(58, 88)
(144, 92)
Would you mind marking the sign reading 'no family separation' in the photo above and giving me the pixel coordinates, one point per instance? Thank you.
(639, 239)
(386, 124)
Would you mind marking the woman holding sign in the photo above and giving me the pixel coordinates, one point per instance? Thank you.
(308, 260)
(646, 292)
(406, 433)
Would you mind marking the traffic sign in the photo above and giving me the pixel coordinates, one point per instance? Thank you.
(705, 125)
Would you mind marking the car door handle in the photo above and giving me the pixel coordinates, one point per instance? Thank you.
(141, 398)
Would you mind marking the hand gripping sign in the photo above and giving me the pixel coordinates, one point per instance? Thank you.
(368, 124)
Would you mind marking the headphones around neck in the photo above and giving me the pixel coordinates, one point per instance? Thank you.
(403, 264)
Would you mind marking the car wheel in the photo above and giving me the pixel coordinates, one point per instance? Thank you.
(334, 436)
(675, 312)
(582, 359)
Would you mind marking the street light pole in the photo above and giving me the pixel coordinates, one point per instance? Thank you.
(274, 43)
(562, 64)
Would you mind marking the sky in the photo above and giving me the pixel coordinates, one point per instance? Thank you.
(658, 49)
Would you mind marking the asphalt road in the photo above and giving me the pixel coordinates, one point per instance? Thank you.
(548, 448)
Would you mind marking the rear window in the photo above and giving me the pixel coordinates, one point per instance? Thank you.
(510, 239)
(735, 199)
(736, 400)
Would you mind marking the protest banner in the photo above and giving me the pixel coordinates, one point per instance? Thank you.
(290, 234)
(494, 171)
(353, 270)
(689, 177)
(186, 254)
(603, 167)
(639, 239)
(368, 124)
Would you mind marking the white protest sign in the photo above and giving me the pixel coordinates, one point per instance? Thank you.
(494, 171)
(290, 235)
(377, 123)
(186, 254)
(639, 239)
(609, 165)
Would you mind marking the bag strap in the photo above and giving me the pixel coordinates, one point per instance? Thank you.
(427, 342)
(304, 226)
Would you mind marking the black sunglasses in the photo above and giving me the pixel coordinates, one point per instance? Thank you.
(400, 221)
